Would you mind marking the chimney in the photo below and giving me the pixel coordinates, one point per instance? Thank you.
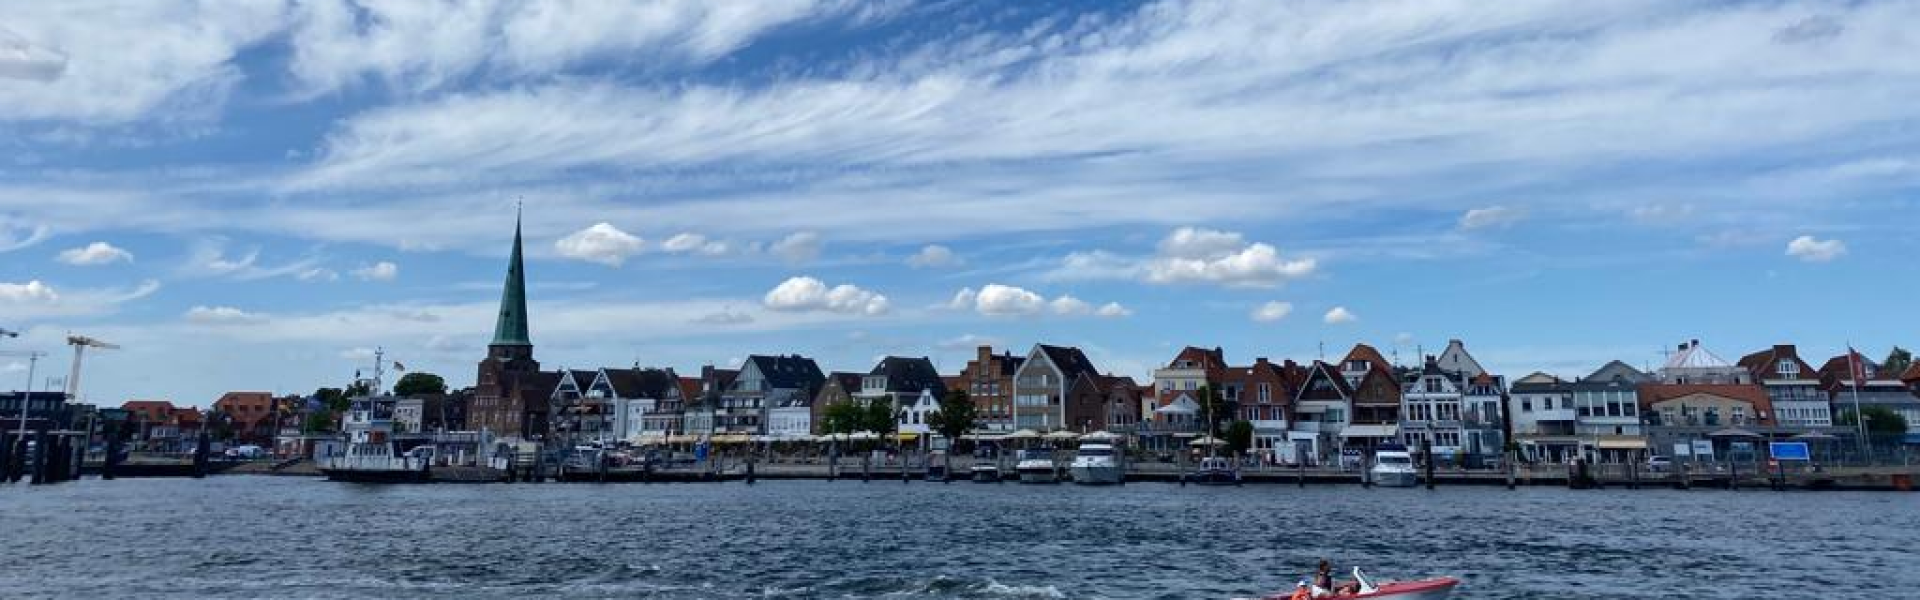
(1683, 347)
(1696, 342)
(984, 355)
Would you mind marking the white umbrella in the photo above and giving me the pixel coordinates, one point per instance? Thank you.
(1101, 436)
(1024, 434)
(1063, 435)
(1207, 441)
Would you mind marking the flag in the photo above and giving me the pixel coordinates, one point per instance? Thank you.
(1855, 368)
(399, 368)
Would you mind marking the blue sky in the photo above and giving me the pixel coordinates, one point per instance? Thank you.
(252, 196)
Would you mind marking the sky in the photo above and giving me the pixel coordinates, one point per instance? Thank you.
(255, 195)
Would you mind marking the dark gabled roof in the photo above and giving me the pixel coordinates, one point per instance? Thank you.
(790, 371)
(1201, 358)
(1009, 362)
(646, 383)
(625, 382)
(1760, 364)
(1750, 393)
(544, 382)
(582, 378)
(689, 388)
(1322, 370)
(909, 375)
(849, 382)
(1837, 370)
(1071, 361)
(1615, 371)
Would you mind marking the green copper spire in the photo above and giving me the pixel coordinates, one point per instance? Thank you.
(511, 329)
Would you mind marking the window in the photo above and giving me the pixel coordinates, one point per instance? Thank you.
(1546, 403)
(1336, 415)
(1526, 405)
(1788, 369)
(1433, 385)
(1266, 393)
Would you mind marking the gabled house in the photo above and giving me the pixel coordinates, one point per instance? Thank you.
(647, 403)
(1540, 409)
(1191, 369)
(1852, 379)
(699, 420)
(988, 379)
(1455, 405)
(1041, 385)
(1322, 409)
(579, 407)
(1265, 391)
(1792, 385)
(1691, 413)
(250, 414)
(1377, 399)
(906, 384)
(765, 381)
(839, 388)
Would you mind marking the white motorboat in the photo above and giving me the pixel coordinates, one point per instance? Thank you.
(1036, 466)
(1096, 463)
(985, 473)
(1393, 467)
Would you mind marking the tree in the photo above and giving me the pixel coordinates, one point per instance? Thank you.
(318, 422)
(334, 399)
(219, 425)
(1239, 437)
(1881, 421)
(841, 418)
(419, 382)
(358, 389)
(880, 418)
(955, 417)
(1213, 408)
(1897, 362)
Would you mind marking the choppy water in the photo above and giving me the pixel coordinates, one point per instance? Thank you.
(283, 537)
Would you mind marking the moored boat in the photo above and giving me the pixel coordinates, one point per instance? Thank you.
(1214, 470)
(985, 473)
(1393, 467)
(373, 454)
(1096, 463)
(1036, 466)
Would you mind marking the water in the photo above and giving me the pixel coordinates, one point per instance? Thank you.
(241, 536)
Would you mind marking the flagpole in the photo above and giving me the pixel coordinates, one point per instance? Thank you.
(1856, 372)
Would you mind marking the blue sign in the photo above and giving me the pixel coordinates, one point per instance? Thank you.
(1789, 451)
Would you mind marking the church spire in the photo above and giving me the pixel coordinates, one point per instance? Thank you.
(511, 329)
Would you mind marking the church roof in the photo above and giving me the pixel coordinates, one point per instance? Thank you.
(511, 328)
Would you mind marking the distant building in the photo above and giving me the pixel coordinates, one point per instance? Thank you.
(764, 382)
(44, 409)
(1041, 385)
(1540, 407)
(1265, 392)
(988, 379)
(1693, 413)
(1378, 401)
(1862, 382)
(839, 388)
(1693, 364)
(251, 415)
(1792, 385)
(1321, 411)
(511, 395)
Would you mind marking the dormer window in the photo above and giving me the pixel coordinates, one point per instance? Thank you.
(1358, 365)
(1788, 369)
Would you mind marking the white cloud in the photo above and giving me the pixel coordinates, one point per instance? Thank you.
(357, 354)
(1339, 315)
(30, 292)
(14, 367)
(1004, 300)
(601, 243)
(1402, 338)
(684, 242)
(1192, 255)
(1809, 249)
(97, 253)
(208, 258)
(799, 247)
(1272, 311)
(1070, 306)
(380, 271)
(963, 299)
(967, 342)
(318, 274)
(221, 315)
(1113, 310)
(810, 294)
(725, 317)
(934, 256)
(15, 237)
(1491, 217)
(1660, 214)
(74, 62)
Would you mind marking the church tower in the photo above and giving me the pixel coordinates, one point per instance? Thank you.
(507, 402)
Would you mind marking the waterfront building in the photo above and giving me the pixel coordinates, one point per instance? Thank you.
(904, 383)
(582, 408)
(1692, 364)
(1911, 377)
(1792, 385)
(1321, 409)
(1874, 387)
(1377, 409)
(1042, 383)
(251, 416)
(698, 419)
(1124, 405)
(1689, 413)
(988, 379)
(1606, 408)
(511, 394)
(762, 383)
(1265, 392)
(1540, 409)
(47, 409)
(652, 407)
(1191, 369)
(912, 422)
(839, 388)
(1454, 404)
(409, 415)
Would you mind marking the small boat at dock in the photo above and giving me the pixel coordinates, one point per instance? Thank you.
(1096, 463)
(1393, 467)
(1214, 470)
(1036, 466)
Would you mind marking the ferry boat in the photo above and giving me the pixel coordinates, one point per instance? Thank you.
(1096, 463)
(1437, 588)
(1393, 467)
(373, 454)
(1036, 466)
(1214, 470)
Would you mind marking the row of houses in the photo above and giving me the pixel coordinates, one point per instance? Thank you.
(1314, 412)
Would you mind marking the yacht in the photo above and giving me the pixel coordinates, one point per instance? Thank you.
(1393, 467)
(373, 454)
(1214, 470)
(1096, 463)
(1036, 466)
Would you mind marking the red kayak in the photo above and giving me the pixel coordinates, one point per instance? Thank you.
(1425, 589)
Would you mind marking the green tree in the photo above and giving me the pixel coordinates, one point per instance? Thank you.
(419, 382)
(1213, 409)
(1239, 437)
(318, 422)
(219, 425)
(1897, 361)
(1881, 421)
(841, 418)
(955, 417)
(358, 389)
(880, 418)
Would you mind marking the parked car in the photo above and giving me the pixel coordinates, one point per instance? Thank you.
(1659, 464)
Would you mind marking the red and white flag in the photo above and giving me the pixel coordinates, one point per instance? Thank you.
(1856, 366)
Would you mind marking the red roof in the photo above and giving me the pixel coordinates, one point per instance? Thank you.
(1366, 353)
(1912, 374)
(1753, 394)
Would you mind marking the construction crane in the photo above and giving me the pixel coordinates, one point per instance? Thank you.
(80, 345)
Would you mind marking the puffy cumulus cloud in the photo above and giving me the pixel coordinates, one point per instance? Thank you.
(30, 292)
(601, 243)
(1272, 311)
(1340, 315)
(97, 253)
(934, 256)
(1491, 217)
(221, 315)
(810, 294)
(380, 271)
(1190, 255)
(798, 247)
(999, 300)
(1809, 249)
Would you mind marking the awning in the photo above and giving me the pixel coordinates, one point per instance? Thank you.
(1024, 434)
(1102, 435)
(1207, 441)
(1370, 431)
(650, 438)
(683, 439)
(1734, 432)
(1063, 435)
(1622, 443)
(907, 436)
(732, 438)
